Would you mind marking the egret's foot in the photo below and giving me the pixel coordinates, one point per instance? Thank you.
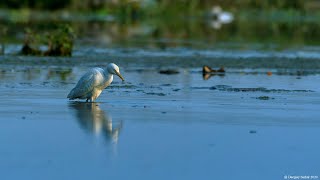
(90, 100)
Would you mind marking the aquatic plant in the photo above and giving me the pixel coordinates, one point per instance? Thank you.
(59, 42)
(31, 43)
(3, 32)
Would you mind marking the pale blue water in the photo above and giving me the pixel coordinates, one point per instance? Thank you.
(159, 126)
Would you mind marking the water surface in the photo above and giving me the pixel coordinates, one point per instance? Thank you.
(157, 126)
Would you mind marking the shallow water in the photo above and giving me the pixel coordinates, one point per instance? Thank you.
(157, 126)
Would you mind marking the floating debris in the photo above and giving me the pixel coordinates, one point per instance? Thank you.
(199, 88)
(264, 98)
(207, 72)
(261, 89)
(126, 86)
(207, 69)
(169, 71)
(158, 94)
(166, 84)
(258, 89)
(252, 131)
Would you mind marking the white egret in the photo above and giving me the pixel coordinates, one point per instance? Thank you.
(92, 83)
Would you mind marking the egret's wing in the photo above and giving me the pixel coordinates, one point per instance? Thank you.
(86, 84)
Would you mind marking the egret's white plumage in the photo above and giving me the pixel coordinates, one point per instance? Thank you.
(93, 82)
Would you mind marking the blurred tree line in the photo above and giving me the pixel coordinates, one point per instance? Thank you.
(186, 5)
(257, 21)
(36, 4)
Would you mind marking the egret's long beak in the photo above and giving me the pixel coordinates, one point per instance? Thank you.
(120, 76)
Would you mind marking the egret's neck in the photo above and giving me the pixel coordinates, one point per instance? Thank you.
(108, 78)
(107, 73)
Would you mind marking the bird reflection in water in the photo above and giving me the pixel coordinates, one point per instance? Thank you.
(94, 120)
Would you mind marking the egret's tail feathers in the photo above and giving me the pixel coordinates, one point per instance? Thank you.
(70, 95)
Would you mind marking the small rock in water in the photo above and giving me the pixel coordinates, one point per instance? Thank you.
(252, 131)
(264, 98)
(221, 70)
(166, 85)
(169, 71)
(159, 94)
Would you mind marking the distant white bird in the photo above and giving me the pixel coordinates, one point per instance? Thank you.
(223, 16)
(92, 83)
(220, 17)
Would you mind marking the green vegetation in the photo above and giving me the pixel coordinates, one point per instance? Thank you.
(59, 42)
(35, 4)
(158, 23)
(135, 8)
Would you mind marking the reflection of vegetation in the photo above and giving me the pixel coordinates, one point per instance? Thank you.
(60, 42)
(62, 73)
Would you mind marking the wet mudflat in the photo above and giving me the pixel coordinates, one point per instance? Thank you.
(158, 126)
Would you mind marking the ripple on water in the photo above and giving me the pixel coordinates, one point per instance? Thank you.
(250, 89)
